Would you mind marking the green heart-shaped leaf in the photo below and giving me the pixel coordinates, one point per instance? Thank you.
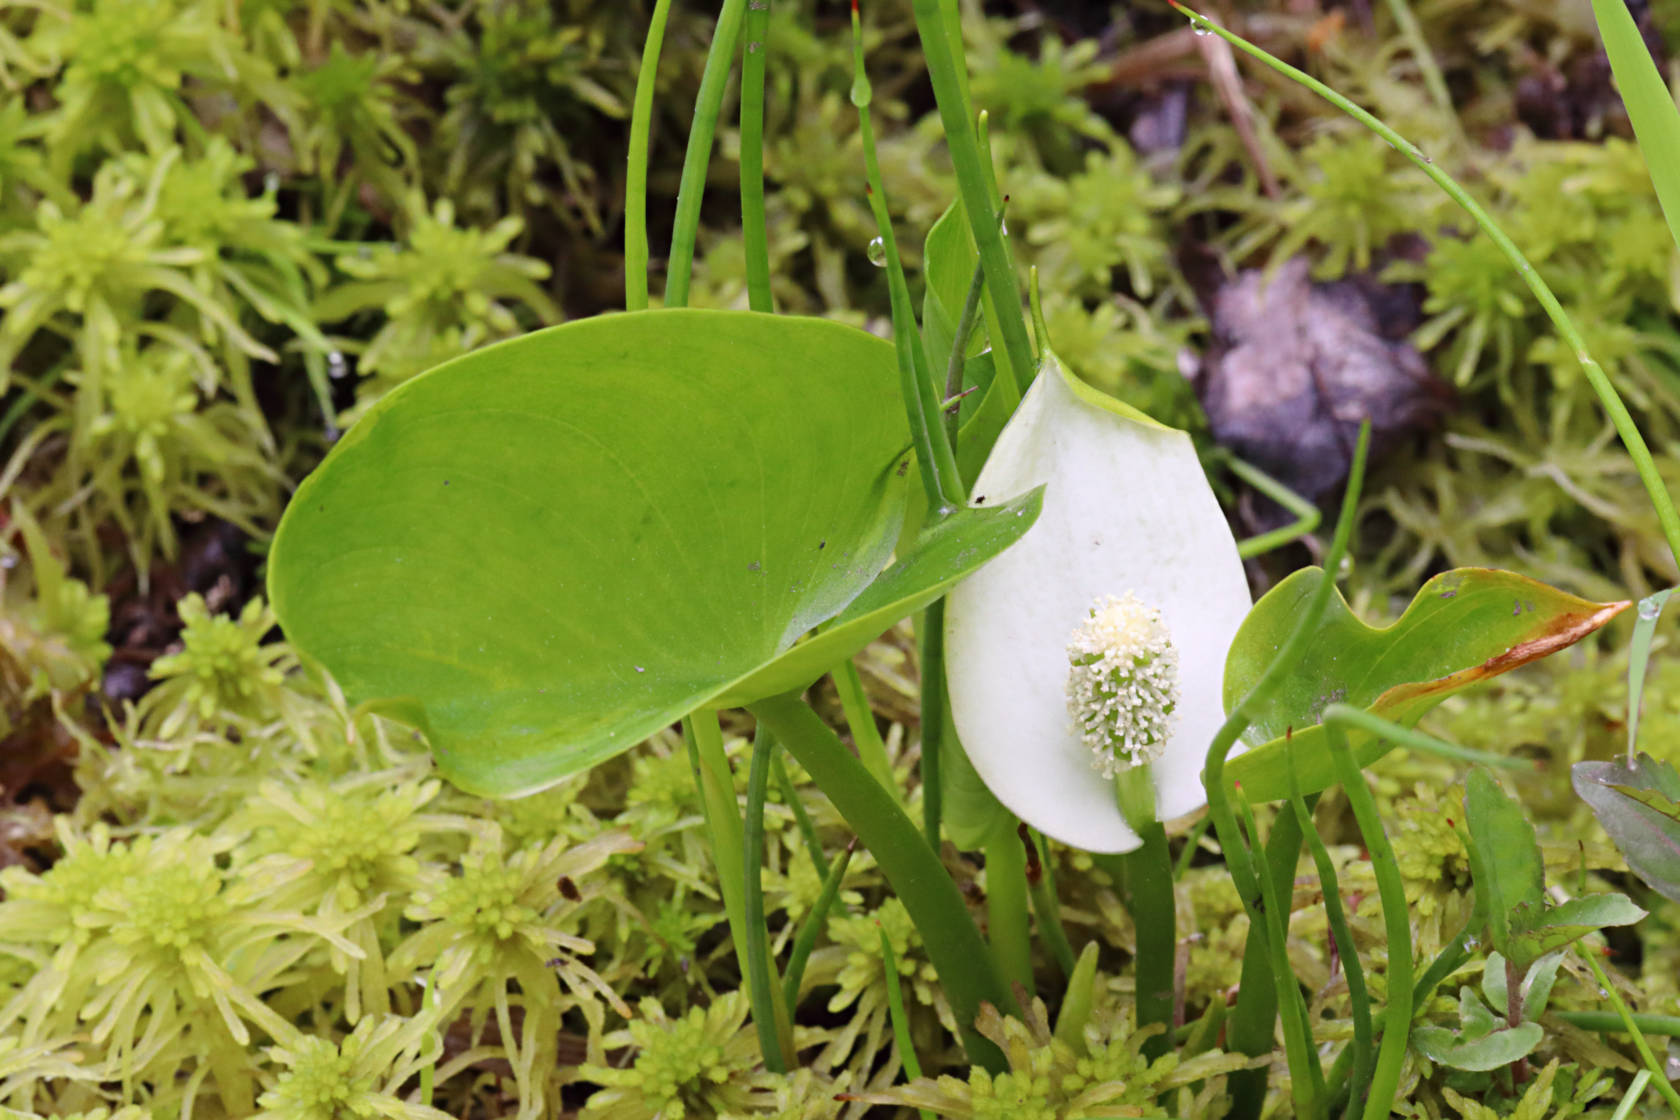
(1463, 627)
(546, 550)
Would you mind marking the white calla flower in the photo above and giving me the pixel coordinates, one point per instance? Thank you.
(1097, 642)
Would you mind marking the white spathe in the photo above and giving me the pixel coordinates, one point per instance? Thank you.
(1127, 509)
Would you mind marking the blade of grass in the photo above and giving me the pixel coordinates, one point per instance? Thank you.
(1347, 716)
(1631, 1098)
(707, 103)
(723, 821)
(1149, 897)
(965, 968)
(1664, 1085)
(900, 1020)
(1297, 1027)
(1358, 996)
(635, 177)
(1608, 1022)
(860, 721)
(775, 1036)
(754, 235)
(1650, 105)
(936, 717)
(1306, 514)
(948, 88)
(806, 940)
(1611, 401)
(1007, 926)
(1639, 653)
(940, 477)
(1397, 1016)
(801, 815)
(1047, 905)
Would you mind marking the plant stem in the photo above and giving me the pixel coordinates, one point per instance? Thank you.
(719, 59)
(1253, 1021)
(1306, 514)
(1006, 908)
(1664, 1085)
(813, 927)
(948, 90)
(1611, 401)
(1397, 1016)
(1358, 996)
(807, 828)
(1609, 1021)
(900, 1020)
(1047, 905)
(912, 867)
(775, 1036)
(635, 178)
(723, 821)
(1149, 896)
(1239, 858)
(935, 459)
(935, 718)
(860, 721)
(755, 237)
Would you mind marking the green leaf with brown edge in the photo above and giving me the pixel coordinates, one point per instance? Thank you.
(1463, 627)
(545, 550)
(1505, 859)
(1640, 809)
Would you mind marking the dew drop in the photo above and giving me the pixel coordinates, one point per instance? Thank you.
(1472, 943)
(1003, 227)
(1649, 608)
(877, 252)
(1345, 568)
(271, 182)
(337, 367)
(1200, 28)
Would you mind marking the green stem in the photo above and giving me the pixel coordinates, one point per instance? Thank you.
(860, 721)
(1253, 1021)
(635, 178)
(1306, 514)
(1149, 895)
(1610, 1022)
(1248, 1089)
(1397, 1016)
(1412, 33)
(1192, 841)
(1047, 905)
(1347, 715)
(1596, 377)
(813, 927)
(1006, 907)
(754, 234)
(775, 1036)
(935, 459)
(900, 1019)
(707, 103)
(959, 351)
(802, 816)
(1664, 1085)
(935, 718)
(723, 822)
(913, 868)
(1358, 996)
(948, 89)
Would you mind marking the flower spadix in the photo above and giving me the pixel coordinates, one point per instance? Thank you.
(1096, 644)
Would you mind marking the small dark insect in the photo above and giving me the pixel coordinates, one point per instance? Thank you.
(902, 467)
(979, 499)
(821, 545)
(569, 889)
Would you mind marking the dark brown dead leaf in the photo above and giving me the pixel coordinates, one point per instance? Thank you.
(1294, 366)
